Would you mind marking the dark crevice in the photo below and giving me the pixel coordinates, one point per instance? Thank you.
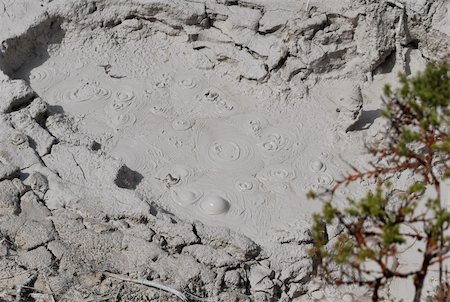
(281, 63)
(387, 63)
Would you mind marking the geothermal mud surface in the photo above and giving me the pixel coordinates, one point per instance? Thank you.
(198, 145)
(176, 141)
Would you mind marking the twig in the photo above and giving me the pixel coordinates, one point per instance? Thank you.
(47, 285)
(20, 287)
(182, 296)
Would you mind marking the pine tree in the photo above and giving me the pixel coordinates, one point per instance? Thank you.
(382, 223)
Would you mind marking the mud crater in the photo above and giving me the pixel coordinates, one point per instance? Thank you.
(146, 102)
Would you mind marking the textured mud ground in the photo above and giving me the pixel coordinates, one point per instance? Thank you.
(175, 141)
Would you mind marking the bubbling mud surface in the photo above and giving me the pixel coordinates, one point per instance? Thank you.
(211, 152)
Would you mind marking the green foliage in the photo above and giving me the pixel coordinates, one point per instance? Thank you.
(377, 225)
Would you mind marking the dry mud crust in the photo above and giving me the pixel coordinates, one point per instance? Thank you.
(175, 141)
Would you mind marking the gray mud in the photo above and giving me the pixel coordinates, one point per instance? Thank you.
(175, 141)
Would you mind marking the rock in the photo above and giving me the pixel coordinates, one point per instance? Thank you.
(64, 128)
(203, 61)
(260, 280)
(97, 202)
(127, 178)
(247, 66)
(311, 54)
(33, 209)
(298, 272)
(435, 46)
(12, 274)
(14, 147)
(9, 198)
(38, 183)
(232, 278)
(185, 272)
(8, 171)
(243, 17)
(57, 248)
(138, 253)
(376, 42)
(38, 258)
(38, 109)
(292, 67)
(213, 34)
(235, 244)
(210, 256)
(142, 231)
(75, 163)
(177, 235)
(346, 96)
(274, 20)
(15, 94)
(41, 140)
(308, 26)
(32, 234)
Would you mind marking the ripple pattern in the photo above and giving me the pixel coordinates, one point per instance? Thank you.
(82, 91)
(276, 174)
(222, 146)
(277, 144)
(251, 124)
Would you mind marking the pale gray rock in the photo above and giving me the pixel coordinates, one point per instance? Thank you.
(9, 198)
(15, 94)
(96, 202)
(185, 272)
(38, 183)
(12, 274)
(39, 138)
(142, 231)
(235, 244)
(177, 235)
(247, 66)
(307, 26)
(32, 234)
(33, 209)
(8, 171)
(375, 35)
(14, 147)
(38, 258)
(260, 279)
(74, 164)
(274, 20)
(137, 253)
(57, 248)
(210, 256)
(292, 67)
(38, 109)
(64, 128)
(347, 98)
(243, 17)
(233, 278)
(298, 272)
